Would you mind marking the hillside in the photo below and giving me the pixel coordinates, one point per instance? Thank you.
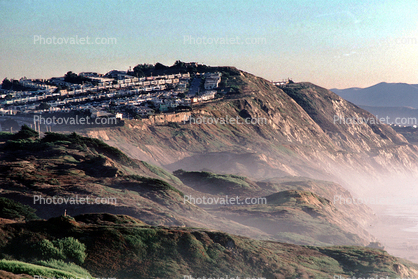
(304, 221)
(69, 167)
(72, 167)
(284, 158)
(299, 217)
(410, 133)
(298, 138)
(125, 248)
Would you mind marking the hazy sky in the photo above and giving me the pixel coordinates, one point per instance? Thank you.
(330, 43)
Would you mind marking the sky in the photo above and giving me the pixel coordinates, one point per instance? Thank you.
(334, 44)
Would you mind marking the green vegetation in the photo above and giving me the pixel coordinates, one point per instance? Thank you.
(128, 250)
(26, 139)
(231, 79)
(77, 79)
(359, 260)
(410, 133)
(142, 70)
(215, 183)
(4, 136)
(81, 141)
(26, 133)
(298, 217)
(68, 248)
(65, 266)
(67, 271)
(154, 183)
(162, 173)
(14, 85)
(11, 209)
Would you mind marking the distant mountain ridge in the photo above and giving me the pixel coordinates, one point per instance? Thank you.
(382, 95)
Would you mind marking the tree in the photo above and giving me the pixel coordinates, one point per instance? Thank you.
(142, 70)
(6, 84)
(159, 66)
(179, 64)
(26, 132)
(74, 78)
(11, 209)
(70, 76)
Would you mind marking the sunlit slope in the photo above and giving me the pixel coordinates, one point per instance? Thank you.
(126, 248)
(294, 132)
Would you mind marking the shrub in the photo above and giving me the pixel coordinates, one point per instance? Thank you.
(47, 250)
(11, 209)
(67, 248)
(72, 249)
(25, 133)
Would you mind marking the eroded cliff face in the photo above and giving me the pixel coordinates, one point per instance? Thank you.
(293, 132)
(297, 134)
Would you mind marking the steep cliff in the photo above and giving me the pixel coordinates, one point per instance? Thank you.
(294, 130)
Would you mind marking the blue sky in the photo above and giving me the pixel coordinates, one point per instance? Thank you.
(330, 43)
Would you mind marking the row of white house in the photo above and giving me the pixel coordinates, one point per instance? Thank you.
(118, 93)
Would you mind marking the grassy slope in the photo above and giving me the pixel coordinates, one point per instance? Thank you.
(299, 217)
(70, 165)
(124, 249)
(302, 217)
(211, 183)
(19, 267)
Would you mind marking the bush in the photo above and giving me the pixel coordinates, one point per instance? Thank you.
(47, 250)
(67, 248)
(25, 144)
(72, 249)
(11, 209)
(25, 133)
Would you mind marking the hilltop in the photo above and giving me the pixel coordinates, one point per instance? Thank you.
(296, 135)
